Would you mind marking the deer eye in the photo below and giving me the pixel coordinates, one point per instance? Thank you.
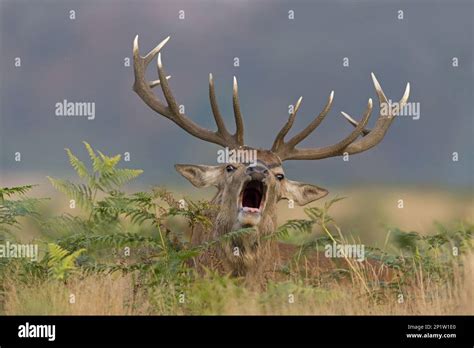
(280, 177)
(230, 168)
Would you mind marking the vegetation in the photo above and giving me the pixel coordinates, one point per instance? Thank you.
(128, 253)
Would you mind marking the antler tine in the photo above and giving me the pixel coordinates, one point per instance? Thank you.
(279, 140)
(353, 122)
(171, 111)
(165, 87)
(140, 86)
(375, 135)
(290, 152)
(382, 99)
(298, 138)
(351, 144)
(215, 107)
(239, 123)
(149, 57)
(155, 83)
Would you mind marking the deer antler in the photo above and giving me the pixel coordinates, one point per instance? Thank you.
(171, 111)
(351, 144)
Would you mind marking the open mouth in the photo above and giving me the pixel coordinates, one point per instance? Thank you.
(252, 197)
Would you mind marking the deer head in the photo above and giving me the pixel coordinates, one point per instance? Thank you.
(249, 192)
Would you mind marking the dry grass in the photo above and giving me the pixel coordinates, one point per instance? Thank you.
(118, 295)
(93, 295)
(367, 214)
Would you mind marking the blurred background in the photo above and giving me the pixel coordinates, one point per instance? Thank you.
(280, 59)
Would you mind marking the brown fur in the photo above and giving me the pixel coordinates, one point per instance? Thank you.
(255, 254)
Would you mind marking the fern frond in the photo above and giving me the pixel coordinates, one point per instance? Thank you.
(10, 191)
(61, 262)
(82, 194)
(62, 225)
(56, 253)
(96, 162)
(78, 165)
(124, 175)
(109, 162)
(117, 177)
(298, 226)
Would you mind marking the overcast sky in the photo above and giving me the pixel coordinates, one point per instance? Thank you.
(280, 60)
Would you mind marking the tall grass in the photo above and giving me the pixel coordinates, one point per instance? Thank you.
(128, 254)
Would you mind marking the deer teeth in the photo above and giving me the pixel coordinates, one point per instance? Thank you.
(251, 210)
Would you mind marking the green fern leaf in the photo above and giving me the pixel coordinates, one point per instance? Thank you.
(78, 166)
(96, 162)
(82, 194)
(61, 263)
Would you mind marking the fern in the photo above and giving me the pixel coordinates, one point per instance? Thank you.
(195, 212)
(84, 240)
(298, 226)
(10, 191)
(78, 166)
(96, 163)
(117, 219)
(81, 194)
(61, 263)
(11, 210)
(104, 177)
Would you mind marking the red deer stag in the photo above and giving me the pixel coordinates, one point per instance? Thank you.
(247, 194)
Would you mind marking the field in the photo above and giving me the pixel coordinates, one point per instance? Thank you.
(104, 250)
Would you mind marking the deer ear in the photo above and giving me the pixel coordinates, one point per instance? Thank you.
(199, 175)
(302, 193)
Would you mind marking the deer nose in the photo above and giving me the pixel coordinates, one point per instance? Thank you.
(257, 172)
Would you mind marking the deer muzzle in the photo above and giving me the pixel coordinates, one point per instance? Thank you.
(252, 200)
